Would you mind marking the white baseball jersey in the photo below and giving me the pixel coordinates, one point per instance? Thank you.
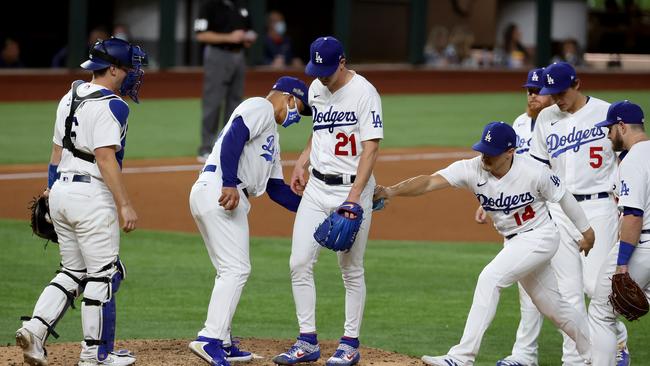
(578, 152)
(260, 159)
(635, 183)
(523, 126)
(343, 120)
(516, 202)
(99, 123)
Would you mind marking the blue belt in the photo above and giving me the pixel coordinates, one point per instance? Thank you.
(595, 196)
(213, 168)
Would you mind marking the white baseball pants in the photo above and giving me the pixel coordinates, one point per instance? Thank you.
(318, 201)
(524, 258)
(226, 238)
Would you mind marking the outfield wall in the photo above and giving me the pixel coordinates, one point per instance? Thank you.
(187, 82)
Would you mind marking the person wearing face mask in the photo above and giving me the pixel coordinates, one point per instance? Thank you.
(244, 162)
(278, 51)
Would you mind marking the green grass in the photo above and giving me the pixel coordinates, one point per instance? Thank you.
(170, 128)
(418, 293)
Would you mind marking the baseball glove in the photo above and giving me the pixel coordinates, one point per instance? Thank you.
(40, 220)
(627, 298)
(338, 232)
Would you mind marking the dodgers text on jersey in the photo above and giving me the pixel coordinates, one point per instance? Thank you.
(558, 145)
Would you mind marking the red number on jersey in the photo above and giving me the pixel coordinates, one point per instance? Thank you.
(593, 154)
(527, 215)
(343, 140)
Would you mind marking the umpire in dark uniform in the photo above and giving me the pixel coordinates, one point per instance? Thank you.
(225, 28)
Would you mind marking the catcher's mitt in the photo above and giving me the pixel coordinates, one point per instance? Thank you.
(40, 220)
(338, 232)
(627, 297)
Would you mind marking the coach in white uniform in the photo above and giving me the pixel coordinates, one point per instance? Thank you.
(567, 139)
(88, 147)
(347, 128)
(245, 162)
(513, 189)
(627, 133)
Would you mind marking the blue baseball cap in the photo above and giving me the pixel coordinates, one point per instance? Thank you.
(497, 138)
(557, 78)
(295, 87)
(534, 79)
(623, 111)
(325, 53)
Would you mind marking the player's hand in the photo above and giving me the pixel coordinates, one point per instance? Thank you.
(480, 216)
(298, 180)
(237, 36)
(129, 218)
(46, 193)
(587, 242)
(382, 192)
(229, 198)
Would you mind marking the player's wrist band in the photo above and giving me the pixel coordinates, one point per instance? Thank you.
(52, 175)
(625, 251)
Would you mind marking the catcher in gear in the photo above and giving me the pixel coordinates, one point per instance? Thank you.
(624, 280)
(41, 222)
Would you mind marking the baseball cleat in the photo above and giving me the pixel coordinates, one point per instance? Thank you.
(118, 358)
(33, 352)
(445, 360)
(345, 355)
(510, 362)
(210, 350)
(233, 353)
(301, 351)
(623, 356)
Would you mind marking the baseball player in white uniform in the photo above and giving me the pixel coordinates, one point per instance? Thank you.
(566, 138)
(513, 189)
(245, 161)
(347, 128)
(86, 186)
(626, 131)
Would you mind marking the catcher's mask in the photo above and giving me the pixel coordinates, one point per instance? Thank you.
(118, 52)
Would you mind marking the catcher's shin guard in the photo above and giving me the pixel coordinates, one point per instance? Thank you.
(54, 301)
(98, 312)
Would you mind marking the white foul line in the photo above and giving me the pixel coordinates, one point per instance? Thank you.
(197, 167)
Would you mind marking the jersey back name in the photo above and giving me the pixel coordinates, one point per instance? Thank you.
(341, 122)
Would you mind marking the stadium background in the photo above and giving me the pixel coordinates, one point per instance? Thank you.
(424, 256)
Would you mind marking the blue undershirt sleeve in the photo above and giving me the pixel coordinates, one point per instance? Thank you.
(281, 194)
(231, 150)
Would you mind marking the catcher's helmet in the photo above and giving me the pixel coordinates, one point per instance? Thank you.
(118, 52)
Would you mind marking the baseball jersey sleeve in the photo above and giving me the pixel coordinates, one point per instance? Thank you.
(549, 185)
(633, 186)
(62, 112)
(538, 148)
(458, 173)
(371, 125)
(106, 130)
(257, 114)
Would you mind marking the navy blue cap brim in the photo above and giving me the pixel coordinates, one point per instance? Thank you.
(605, 124)
(487, 149)
(95, 65)
(549, 91)
(531, 85)
(320, 71)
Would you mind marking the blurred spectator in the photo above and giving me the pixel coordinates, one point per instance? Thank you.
(278, 51)
(437, 48)
(459, 51)
(121, 31)
(61, 57)
(570, 53)
(514, 54)
(10, 56)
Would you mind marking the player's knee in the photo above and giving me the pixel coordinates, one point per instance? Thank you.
(300, 265)
(352, 273)
(69, 281)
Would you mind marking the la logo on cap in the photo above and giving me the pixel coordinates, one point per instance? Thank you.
(549, 79)
(535, 77)
(318, 59)
(488, 137)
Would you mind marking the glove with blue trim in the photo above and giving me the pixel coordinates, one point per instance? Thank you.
(339, 232)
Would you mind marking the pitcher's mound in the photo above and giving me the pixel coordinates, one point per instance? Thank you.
(175, 353)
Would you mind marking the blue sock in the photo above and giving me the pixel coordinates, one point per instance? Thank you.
(352, 342)
(310, 338)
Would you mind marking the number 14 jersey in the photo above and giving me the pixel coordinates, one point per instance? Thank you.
(341, 121)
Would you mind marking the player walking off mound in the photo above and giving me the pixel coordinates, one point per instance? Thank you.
(245, 161)
(513, 189)
(341, 151)
(632, 255)
(567, 139)
(87, 152)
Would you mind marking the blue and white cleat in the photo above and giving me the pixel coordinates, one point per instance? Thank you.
(345, 355)
(445, 360)
(301, 351)
(510, 362)
(623, 356)
(234, 354)
(210, 350)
